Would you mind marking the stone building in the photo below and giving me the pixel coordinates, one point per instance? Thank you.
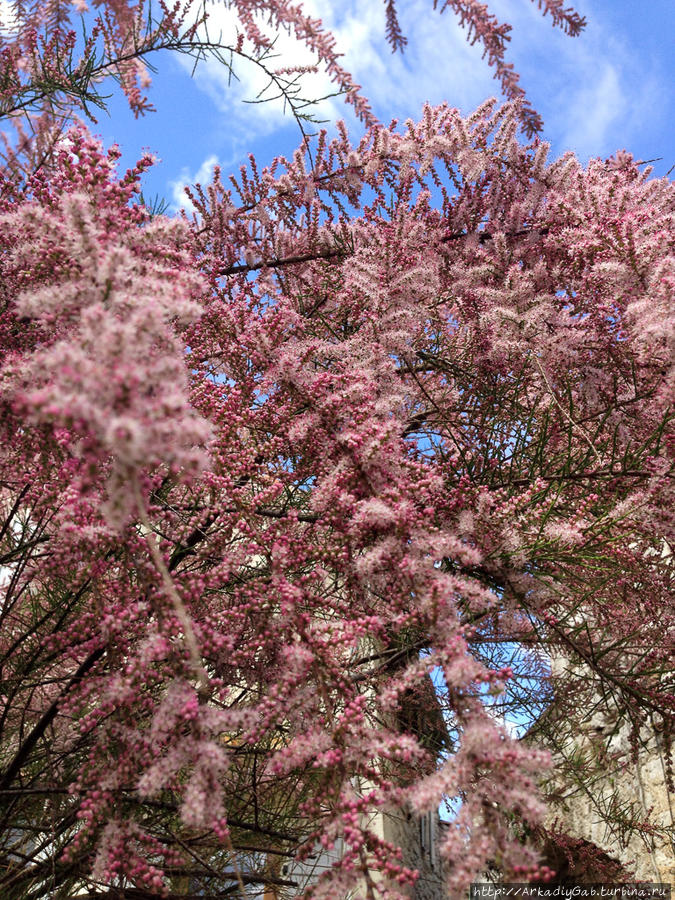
(418, 838)
(620, 816)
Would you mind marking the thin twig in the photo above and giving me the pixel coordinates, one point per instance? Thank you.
(277, 262)
(181, 612)
(564, 412)
(235, 866)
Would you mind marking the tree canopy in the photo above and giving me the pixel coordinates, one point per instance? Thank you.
(394, 412)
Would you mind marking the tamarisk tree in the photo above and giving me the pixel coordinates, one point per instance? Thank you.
(400, 409)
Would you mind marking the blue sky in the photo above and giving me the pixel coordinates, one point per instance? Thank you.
(611, 88)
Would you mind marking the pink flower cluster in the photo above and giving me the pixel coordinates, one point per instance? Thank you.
(107, 295)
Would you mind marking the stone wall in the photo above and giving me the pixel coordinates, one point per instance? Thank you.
(621, 805)
(417, 837)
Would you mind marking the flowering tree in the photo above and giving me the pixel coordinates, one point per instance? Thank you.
(400, 410)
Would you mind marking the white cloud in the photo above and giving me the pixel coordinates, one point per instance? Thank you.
(594, 109)
(431, 69)
(438, 64)
(595, 91)
(249, 80)
(9, 21)
(203, 176)
(592, 91)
